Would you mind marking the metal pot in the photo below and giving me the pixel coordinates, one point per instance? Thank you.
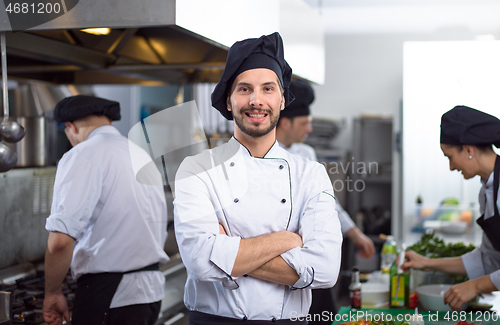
(36, 149)
(5, 307)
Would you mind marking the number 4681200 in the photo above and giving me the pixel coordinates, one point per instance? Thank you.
(33, 8)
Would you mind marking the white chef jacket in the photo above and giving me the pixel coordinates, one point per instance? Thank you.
(305, 150)
(118, 223)
(485, 259)
(251, 197)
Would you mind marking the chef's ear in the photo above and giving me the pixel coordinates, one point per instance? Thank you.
(469, 149)
(228, 103)
(72, 126)
(285, 122)
(282, 102)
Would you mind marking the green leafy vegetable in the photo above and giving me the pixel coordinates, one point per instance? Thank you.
(434, 247)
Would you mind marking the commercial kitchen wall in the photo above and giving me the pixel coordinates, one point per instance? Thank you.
(364, 74)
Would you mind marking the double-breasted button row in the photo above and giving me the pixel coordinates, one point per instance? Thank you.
(232, 165)
(236, 200)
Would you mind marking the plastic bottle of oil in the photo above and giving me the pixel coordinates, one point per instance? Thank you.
(399, 284)
(388, 254)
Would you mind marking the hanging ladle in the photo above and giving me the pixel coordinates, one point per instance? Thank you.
(11, 131)
(8, 131)
(8, 158)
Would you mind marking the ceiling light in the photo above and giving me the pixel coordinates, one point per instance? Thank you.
(97, 31)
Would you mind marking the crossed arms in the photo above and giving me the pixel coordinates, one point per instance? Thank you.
(260, 258)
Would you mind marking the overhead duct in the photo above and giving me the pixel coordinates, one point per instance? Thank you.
(155, 42)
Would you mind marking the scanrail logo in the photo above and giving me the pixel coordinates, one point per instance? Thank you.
(26, 14)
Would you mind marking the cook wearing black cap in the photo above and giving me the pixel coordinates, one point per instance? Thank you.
(293, 127)
(467, 139)
(238, 220)
(107, 226)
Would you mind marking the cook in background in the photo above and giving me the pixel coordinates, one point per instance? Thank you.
(103, 223)
(256, 226)
(293, 127)
(467, 136)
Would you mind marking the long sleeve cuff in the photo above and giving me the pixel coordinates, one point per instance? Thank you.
(473, 264)
(306, 273)
(495, 278)
(223, 256)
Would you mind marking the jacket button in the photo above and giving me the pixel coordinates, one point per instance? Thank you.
(273, 320)
(283, 200)
(231, 164)
(236, 200)
(245, 318)
(281, 166)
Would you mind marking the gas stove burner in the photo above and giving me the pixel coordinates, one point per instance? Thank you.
(28, 317)
(27, 295)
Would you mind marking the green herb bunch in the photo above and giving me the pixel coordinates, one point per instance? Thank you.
(434, 247)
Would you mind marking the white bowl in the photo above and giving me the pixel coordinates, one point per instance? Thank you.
(374, 295)
(453, 228)
(431, 297)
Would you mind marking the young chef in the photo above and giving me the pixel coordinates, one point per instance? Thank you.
(256, 226)
(109, 227)
(467, 136)
(293, 127)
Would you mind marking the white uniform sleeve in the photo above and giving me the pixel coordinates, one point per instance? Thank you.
(318, 262)
(495, 278)
(207, 255)
(474, 266)
(473, 263)
(346, 222)
(77, 189)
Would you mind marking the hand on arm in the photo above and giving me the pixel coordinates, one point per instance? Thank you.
(257, 251)
(466, 291)
(275, 270)
(452, 265)
(57, 262)
(361, 242)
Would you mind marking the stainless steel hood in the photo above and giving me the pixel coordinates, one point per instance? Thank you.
(153, 41)
(132, 55)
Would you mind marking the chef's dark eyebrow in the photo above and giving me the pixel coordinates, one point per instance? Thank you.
(270, 83)
(245, 84)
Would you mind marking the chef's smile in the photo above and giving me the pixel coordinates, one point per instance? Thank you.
(256, 116)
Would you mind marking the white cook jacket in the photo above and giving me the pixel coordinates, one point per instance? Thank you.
(251, 197)
(485, 259)
(118, 223)
(305, 150)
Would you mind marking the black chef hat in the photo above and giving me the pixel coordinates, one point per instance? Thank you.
(253, 53)
(304, 96)
(465, 125)
(76, 107)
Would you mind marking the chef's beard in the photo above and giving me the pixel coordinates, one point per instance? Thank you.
(254, 131)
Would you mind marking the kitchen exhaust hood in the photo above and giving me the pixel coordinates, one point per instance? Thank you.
(155, 42)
